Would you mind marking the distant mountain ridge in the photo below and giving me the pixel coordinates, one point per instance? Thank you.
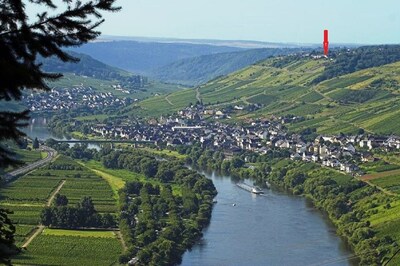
(247, 44)
(198, 70)
(143, 57)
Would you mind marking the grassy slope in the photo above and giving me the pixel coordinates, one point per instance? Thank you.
(329, 106)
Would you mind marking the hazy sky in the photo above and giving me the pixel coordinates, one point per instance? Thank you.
(299, 21)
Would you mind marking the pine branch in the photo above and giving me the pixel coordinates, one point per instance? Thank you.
(81, 11)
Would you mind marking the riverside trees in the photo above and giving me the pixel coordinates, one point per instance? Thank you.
(163, 214)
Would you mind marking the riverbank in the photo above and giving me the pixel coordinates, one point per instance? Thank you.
(276, 228)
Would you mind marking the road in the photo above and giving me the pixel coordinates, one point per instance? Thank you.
(51, 153)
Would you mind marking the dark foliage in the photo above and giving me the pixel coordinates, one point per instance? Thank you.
(7, 231)
(83, 215)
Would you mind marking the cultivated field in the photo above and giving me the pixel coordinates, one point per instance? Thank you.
(28, 195)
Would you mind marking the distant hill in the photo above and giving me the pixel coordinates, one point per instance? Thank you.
(367, 98)
(87, 66)
(143, 57)
(198, 70)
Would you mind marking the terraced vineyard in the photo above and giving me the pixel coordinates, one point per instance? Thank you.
(366, 99)
(28, 196)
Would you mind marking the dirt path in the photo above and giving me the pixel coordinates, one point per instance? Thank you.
(121, 239)
(37, 232)
(385, 191)
(198, 95)
(166, 98)
(50, 200)
(40, 228)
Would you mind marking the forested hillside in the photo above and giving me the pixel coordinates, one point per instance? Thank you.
(142, 57)
(88, 66)
(198, 70)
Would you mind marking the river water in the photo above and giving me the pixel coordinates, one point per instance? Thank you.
(271, 229)
(37, 128)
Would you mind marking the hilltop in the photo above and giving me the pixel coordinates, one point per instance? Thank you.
(292, 85)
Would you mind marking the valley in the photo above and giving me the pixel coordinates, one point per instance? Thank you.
(296, 120)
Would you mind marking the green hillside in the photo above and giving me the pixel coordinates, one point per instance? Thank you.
(198, 70)
(366, 98)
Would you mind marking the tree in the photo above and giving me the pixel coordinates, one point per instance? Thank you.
(7, 242)
(87, 206)
(61, 200)
(22, 40)
(148, 167)
(35, 144)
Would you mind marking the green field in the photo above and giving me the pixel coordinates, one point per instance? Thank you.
(389, 182)
(52, 249)
(170, 153)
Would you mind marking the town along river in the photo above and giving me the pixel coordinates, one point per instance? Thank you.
(271, 229)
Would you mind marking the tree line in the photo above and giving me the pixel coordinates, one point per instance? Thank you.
(82, 215)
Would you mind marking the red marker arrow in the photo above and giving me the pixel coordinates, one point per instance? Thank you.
(326, 42)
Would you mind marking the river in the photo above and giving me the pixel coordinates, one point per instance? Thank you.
(37, 128)
(272, 229)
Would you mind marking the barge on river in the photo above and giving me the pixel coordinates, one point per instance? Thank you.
(252, 189)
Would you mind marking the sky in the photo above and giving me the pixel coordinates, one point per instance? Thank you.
(293, 21)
